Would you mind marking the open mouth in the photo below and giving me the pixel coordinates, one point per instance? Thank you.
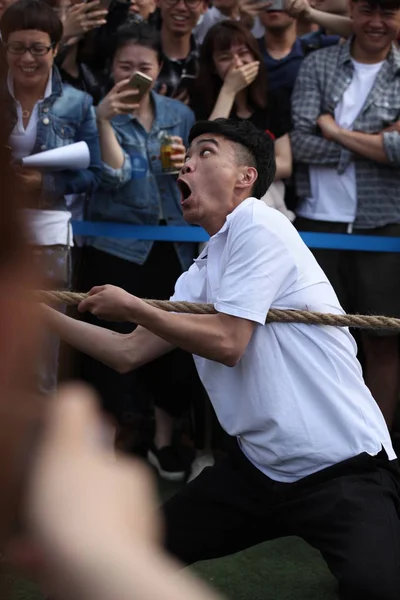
(184, 189)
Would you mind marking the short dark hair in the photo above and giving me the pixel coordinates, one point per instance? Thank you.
(382, 4)
(255, 147)
(31, 14)
(139, 34)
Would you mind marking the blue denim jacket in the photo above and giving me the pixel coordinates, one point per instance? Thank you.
(139, 193)
(65, 117)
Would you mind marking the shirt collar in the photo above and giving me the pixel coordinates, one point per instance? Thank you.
(47, 93)
(193, 53)
(229, 217)
(345, 54)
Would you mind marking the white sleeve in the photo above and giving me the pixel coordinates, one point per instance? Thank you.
(260, 269)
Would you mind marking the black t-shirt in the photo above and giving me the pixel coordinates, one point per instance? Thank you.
(275, 118)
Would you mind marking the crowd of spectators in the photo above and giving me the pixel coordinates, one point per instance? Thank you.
(323, 80)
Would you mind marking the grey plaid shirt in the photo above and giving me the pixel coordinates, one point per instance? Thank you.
(178, 75)
(322, 80)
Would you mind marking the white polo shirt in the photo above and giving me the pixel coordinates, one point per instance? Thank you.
(296, 400)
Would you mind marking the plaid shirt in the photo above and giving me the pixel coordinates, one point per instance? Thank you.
(179, 74)
(322, 80)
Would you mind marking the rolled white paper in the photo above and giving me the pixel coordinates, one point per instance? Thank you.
(74, 156)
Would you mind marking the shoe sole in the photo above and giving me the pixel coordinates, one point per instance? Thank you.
(175, 476)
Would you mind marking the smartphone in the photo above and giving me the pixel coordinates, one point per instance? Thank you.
(141, 82)
(276, 5)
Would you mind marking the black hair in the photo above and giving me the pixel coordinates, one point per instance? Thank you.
(140, 34)
(256, 148)
(31, 14)
(382, 4)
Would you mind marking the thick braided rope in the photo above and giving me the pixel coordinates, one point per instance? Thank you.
(274, 315)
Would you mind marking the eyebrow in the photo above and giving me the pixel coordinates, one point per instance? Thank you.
(208, 141)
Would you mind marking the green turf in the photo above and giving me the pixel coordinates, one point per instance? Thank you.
(285, 569)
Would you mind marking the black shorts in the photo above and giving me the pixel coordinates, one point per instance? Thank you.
(365, 282)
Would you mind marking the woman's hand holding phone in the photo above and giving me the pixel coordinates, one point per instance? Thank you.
(239, 78)
(119, 101)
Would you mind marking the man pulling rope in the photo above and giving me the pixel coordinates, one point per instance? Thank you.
(313, 456)
(274, 315)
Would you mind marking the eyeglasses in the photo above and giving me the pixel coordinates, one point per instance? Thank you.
(35, 49)
(189, 3)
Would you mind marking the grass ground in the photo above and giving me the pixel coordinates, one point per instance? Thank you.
(285, 569)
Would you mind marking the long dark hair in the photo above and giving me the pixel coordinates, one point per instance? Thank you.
(208, 85)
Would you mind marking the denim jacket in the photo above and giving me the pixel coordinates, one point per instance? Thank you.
(65, 117)
(139, 193)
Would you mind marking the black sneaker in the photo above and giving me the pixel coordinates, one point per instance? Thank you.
(166, 461)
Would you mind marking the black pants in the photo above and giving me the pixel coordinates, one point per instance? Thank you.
(349, 512)
(170, 382)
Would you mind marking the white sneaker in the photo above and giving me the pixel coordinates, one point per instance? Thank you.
(200, 462)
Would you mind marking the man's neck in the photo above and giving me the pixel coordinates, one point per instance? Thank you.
(175, 47)
(365, 57)
(280, 43)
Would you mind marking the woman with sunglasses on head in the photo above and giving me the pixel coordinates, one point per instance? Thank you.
(40, 113)
(232, 82)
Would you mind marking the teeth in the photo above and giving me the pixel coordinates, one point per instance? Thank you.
(179, 18)
(28, 70)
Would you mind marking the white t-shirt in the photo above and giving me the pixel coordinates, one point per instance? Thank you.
(296, 400)
(334, 195)
(45, 227)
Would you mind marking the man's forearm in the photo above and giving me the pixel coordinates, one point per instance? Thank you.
(335, 23)
(204, 335)
(365, 144)
(101, 344)
(121, 352)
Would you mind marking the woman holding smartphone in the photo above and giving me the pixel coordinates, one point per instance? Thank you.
(130, 125)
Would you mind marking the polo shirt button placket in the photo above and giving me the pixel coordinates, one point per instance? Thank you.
(46, 121)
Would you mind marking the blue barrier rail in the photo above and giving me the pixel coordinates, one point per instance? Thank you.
(339, 241)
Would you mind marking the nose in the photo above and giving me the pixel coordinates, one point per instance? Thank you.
(187, 167)
(376, 19)
(27, 58)
(238, 62)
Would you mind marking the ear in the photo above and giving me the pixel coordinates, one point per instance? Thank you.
(246, 178)
(55, 50)
(351, 7)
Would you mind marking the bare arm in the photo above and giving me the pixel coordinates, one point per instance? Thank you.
(111, 151)
(335, 23)
(223, 105)
(283, 157)
(383, 147)
(219, 337)
(120, 352)
(236, 80)
(118, 101)
(365, 144)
